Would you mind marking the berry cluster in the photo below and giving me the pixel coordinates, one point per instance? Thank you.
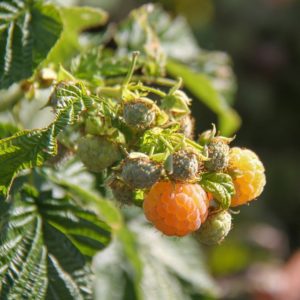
(144, 142)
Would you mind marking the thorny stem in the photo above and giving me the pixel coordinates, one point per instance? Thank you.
(176, 86)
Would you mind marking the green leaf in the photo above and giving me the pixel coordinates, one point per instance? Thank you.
(31, 148)
(28, 30)
(75, 20)
(7, 129)
(200, 85)
(44, 243)
(166, 262)
(112, 216)
(95, 65)
(221, 187)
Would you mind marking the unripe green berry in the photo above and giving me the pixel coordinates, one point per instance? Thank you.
(97, 153)
(218, 154)
(140, 172)
(139, 114)
(215, 228)
(182, 166)
(121, 191)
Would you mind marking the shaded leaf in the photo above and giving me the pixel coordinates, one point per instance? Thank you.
(44, 243)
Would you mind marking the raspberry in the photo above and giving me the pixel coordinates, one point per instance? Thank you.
(140, 172)
(248, 175)
(139, 114)
(215, 228)
(184, 166)
(176, 209)
(97, 153)
(218, 154)
(121, 191)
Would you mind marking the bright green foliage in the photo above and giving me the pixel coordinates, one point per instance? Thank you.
(7, 130)
(44, 244)
(28, 149)
(28, 30)
(75, 19)
(220, 185)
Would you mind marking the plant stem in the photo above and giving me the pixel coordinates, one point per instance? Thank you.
(129, 75)
(112, 92)
(176, 86)
(149, 80)
(148, 89)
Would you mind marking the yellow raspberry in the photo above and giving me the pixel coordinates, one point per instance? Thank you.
(248, 175)
(176, 209)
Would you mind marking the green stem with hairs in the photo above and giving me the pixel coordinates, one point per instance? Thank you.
(146, 79)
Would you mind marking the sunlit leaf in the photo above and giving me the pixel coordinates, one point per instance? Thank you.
(28, 31)
(31, 148)
(75, 20)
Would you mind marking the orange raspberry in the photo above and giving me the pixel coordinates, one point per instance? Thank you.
(176, 208)
(248, 175)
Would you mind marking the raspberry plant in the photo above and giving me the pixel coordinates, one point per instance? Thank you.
(117, 141)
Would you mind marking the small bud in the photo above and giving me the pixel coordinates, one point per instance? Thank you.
(139, 114)
(183, 166)
(140, 172)
(206, 136)
(215, 228)
(218, 154)
(97, 153)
